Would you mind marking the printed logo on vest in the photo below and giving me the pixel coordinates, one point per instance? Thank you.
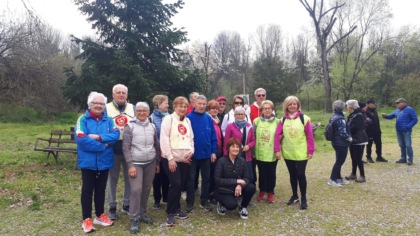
(182, 129)
(121, 120)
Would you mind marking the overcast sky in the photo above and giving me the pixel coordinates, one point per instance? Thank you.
(204, 19)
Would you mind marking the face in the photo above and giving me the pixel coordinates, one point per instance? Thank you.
(200, 105)
(240, 116)
(267, 110)
(120, 95)
(181, 109)
(364, 108)
(222, 106)
(97, 105)
(234, 150)
(164, 106)
(237, 102)
(142, 113)
(401, 105)
(260, 96)
(192, 98)
(213, 111)
(293, 107)
(371, 105)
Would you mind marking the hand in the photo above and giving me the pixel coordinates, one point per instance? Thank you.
(241, 182)
(278, 155)
(246, 148)
(94, 136)
(132, 172)
(188, 157)
(172, 165)
(213, 158)
(310, 156)
(383, 115)
(238, 191)
(157, 168)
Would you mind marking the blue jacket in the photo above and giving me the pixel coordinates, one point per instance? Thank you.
(205, 139)
(93, 154)
(342, 136)
(157, 117)
(406, 119)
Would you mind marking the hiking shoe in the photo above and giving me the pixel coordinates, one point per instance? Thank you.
(381, 159)
(401, 161)
(409, 163)
(351, 177)
(146, 219)
(370, 160)
(125, 209)
(243, 213)
(261, 196)
(156, 206)
(342, 181)
(206, 206)
(334, 183)
(271, 197)
(103, 220)
(361, 179)
(189, 208)
(221, 209)
(293, 200)
(304, 204)
(181, 215)
(112, 214)
(87, 225)
(170, 221)
(134, 226)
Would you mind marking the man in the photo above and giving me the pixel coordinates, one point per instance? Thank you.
(222, 107)
(406, 120)
(373, 131)
(205, 145)
(254, 110)
(192, 97)
(122, 113)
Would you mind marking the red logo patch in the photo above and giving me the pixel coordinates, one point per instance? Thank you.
(121, 120)
(182, 129)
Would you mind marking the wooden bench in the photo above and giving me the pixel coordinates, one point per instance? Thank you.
(59, 141)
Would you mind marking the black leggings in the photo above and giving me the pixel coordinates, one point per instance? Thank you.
(297, 175)
(227, 198)
(267, 176)
(160, 186)
(93, 184)
(356, 154)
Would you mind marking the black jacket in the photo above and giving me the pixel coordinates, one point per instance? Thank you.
(341, 131)
(227, 173)
(374, 128)
(356, 123)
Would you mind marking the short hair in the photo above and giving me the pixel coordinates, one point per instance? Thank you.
(192, 93)
(142, 104)
(179, 101)
(212, 104)
(232, 141)
(288, 101)
(159, 99)
(352, 103)
(237, 97)
(269, 102)
(239, 109)
(259, 89)
(93, 95)
(338, 105)
(119, 85)
(200, 97)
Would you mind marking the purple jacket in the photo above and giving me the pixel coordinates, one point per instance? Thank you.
(233, 131)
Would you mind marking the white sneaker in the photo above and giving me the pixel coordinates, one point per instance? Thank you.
(184, 195)
(334, 183)
(342, 181)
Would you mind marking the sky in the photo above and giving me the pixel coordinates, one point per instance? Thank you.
(204, 19)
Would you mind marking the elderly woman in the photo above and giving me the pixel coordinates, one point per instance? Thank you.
(140, 148)
(356, 123)
(238, 101)
(265, 128)
(161, 181)
(340, 142)
(243, 131)
(95, 134)
(177, 146)
(232, 181)
(297, 146)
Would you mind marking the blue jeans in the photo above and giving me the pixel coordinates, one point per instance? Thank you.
(404, 140)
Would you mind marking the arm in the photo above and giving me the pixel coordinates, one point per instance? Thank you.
(342, 129)
(392, 115)
(227, 137)
(309, 138)
(213, 136)
(251, 138)
(413, 119)
(278, 136)
(224, 124)
(126, 145)
(165, 130)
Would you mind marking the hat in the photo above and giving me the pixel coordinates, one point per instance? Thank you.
(370, 101)
(362, 104)
(221, 98)
(400, 100)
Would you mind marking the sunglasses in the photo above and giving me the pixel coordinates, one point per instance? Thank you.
(261, 95)
(240, 103)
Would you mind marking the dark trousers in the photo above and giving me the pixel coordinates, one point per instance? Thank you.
(356, 154)
(228, 199)
(176, 181)
(340, 158)
(297, 176)
(93, 186)
(204, 166)
(254, 169)
(378, 143)
(160, 186)
(267, 176)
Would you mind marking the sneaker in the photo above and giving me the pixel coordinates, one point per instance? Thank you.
(184, 195)
(206, 206)
(304, 204)
(103, 220)
(243, 213)
(189, 208)
(271, 197)
(334, 183)
(261, 196)
(351, 177)
(221, 209)
(181, 215)
(342, 181)
(156, 206)
(381, 159)
(112, 214)
(170, 221)
(134, 226)
(125, 209)
(293, 200)
(409, 163)
(401, 161)
(370, 160)
(88, 226)
(146, 219)
(361, 179)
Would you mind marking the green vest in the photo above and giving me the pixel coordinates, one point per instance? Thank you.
(293, 144)
(264, 136)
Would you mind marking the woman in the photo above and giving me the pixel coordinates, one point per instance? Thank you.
(232, 181)
(160, 182)
(95, 134)
(140, 148)
(297, 146)
(213, 111)
(340, 142)
(238, 101)
(356, 124)
(265, 128)
(177, 146)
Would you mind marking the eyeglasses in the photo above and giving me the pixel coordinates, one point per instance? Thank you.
(239, 103)
(142, 111)
(266, 108)
(260, 95)
(98, 104)
(239, 114)
(222, 104)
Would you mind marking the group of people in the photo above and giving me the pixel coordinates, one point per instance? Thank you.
(361, 128)
(169, 151)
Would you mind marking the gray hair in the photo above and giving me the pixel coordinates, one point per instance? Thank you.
(200, 97)
(119, 85)
(143, 104)
(259, 89)
(192, 94)
(239, 109)
(338, 105)
(353, 104)
(93, 95)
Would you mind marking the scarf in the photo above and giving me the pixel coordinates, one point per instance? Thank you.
(240, 124)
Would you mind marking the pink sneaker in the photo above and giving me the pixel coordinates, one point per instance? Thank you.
(87, 225)
(103, 220)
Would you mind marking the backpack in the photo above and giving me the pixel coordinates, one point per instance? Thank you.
(329, 130)
(302, 119)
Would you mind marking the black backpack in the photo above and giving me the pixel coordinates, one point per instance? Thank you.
(329, 130)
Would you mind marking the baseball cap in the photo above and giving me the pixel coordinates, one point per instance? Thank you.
(221, 98)
(400, 100)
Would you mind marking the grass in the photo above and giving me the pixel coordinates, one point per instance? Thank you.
(41, 199)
